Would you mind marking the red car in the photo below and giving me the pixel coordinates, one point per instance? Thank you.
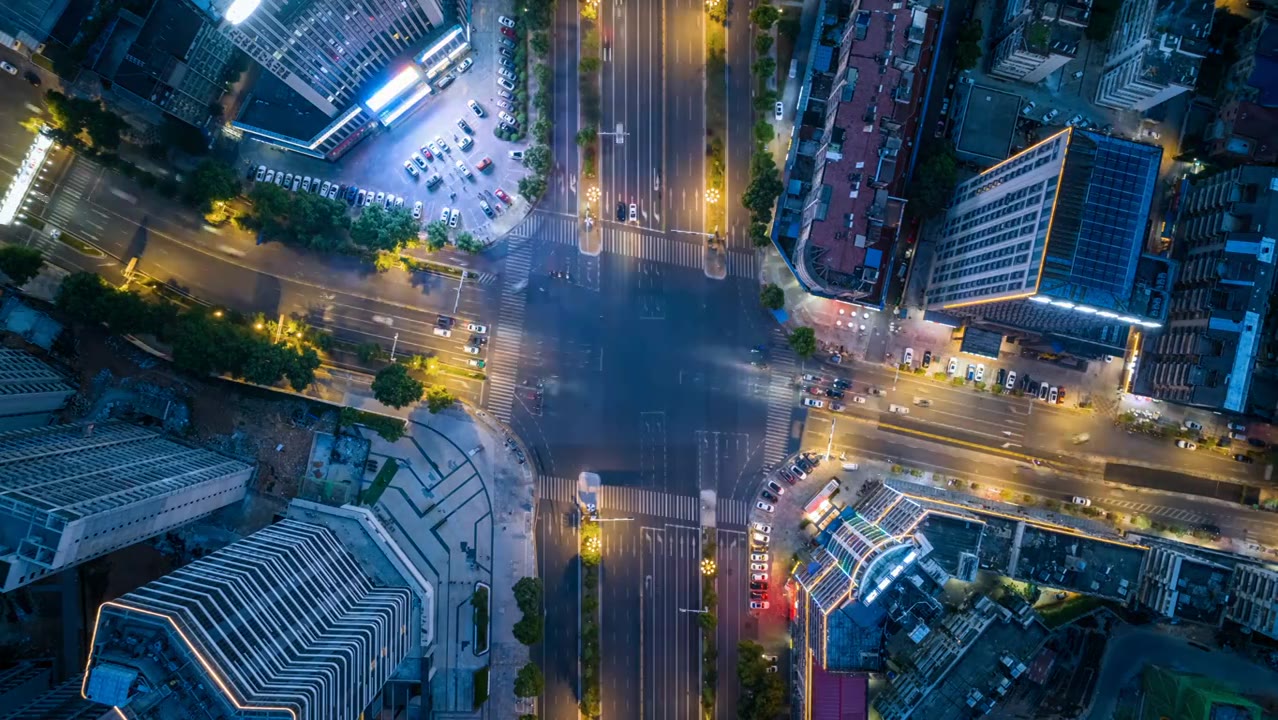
(1060, 396)
(815, 390)
(426, 153)
(509, 33)
(484, 164)
(502, 194)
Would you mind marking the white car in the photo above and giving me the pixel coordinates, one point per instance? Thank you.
(465, 142)
(759, 605)
(288, 180)
(813, 402)
(765, 507)
(261, 173)
(1191, 425)
(270, 176)
(324, 189)
(390, 200)
(1079, 500)
(758, 567)
(368, 198)
(1051, 395)
(506, 73)
(306, 184)
(980, 372)
(507, 117)
(297, 183)
(858, 399)
(279, 178)
(417, 210)
(471, 349)
(759, 577)
(954, 366)
(759, 557)
(634, 212)
(443, 215)
(1029, 107)
(1186, 445)
(908, 359)
(516, 154)
(778, 111)
(443, 332)
(332, 193)
(399, 201)
(506, 21)
(760, 538)
(774, 487)
(503, 82)
(461, 168)
(453, 217)
(1042, 391)
(411, 169)
(1011, 379)
(477, 329)
(761, 527)
(8, 68)
(475, 108)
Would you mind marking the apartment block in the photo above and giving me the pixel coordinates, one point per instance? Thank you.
(31, 392)
(307, 619)
(1254, 599)
(1050, 244)
(1155, 52)
(1246, 125)
(1217, 349)
(70, 493)
(1039, 38)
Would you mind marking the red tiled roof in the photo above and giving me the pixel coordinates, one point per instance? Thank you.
(839, 696)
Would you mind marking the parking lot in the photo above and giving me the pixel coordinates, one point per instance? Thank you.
(377, 163)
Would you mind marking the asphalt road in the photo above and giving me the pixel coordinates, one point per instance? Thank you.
(684, 178)
(633, 97)
(740, 141)
(557, 566)
(560, 196)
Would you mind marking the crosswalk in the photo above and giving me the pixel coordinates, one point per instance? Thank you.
(74, 187)
(731, 512)
(544, 225)
(645, 245)
(1158, 510)
(503, 366)
(742, 264)
(620, 500)
(475, 277)
(784, 365)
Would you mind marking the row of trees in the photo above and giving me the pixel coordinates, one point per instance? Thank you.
(530, 628)
(761, 193)
(77, 121)
(201, 341)
(967, 53)
(591, 557)
(317, 223)
(762, 692)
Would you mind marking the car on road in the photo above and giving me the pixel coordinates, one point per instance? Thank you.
(477, 328)
(417, 210)
(621, 211)
(634, 213)
(778, 110)
(421, 161)
(1080, 500)
(954, 366)
(908, 359)
(1186, 445)
(841, 384)
(765, 507)
(980, 372)
(8, 68)
(1191, 425)
(1244, 458)
(488, 209)
(971, 371)
(1051, 395)
(809, 377)
(774, 487)
(475, 108)
(411, 169)
(811, 402)
(505, 21)
(465, 65)
(759, 606)
(454, 216)
(504, 197)
(1011, 380)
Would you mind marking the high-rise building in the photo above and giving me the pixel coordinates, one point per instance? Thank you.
(1246, 125)
(69, 493)
(1217, 340)
(1253, 603)
(305, 620)
(1049, 243)
(30, 391)
(1039, 38)
(1155, 52)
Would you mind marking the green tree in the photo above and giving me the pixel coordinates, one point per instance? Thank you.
(529, 681)
(764, 16)
(759, 234)
(300, 369)
(587, 135)
(772, 296)
(765, 99)
(765, 67)
(763, 132)
(762, 44)
(967, 55)
(803, 341)
(385, 260)
(528, 594)
(540, 43)
(933, 183)
(466, 242)
(762, 693)
(539, 159)
(104, 128)
(765, 187)
(317, 222)
(395, 387)
(529, 629)
(211, 181)
(541, 129)
(436, 234)
(379, 229)
(270, 208)
(532, 187)
(438, 399)
(589, 64)
(368, 352)
(20, 263)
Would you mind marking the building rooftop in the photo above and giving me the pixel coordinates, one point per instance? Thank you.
(988, 126)
(839, 696)
(273, 106)
(1178, 42)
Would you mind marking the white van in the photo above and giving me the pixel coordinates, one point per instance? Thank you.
(851, 466)
(899, 409)
(443, 332)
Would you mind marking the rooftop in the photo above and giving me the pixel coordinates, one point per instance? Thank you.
(273, 106)
(1178, 41)
(989, 123)
(839, 696)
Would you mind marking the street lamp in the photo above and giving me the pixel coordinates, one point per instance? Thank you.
(712, 195)
(708, 566)
(592, 193)
(702, 611)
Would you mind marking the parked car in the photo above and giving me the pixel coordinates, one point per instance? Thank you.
(1029, 107)
(8, 68)
(502, 194)
(767, 495)
(813, 403)
(411, 169)
(484, 163)
(765, 507)
(1186, 445)
(417, 210)
(954, 366)
(778, 110)
(1051, 395)
(980, 372)
(1191, 425)
(1011, 380)
(774, 487)
(465, 65)
(454, 216)
(421, 161)
(488, 209)
(475, 108)
(1050, 116)
(1244, 458)
(506, 22)
(759, 606)
(908, 359)
(1080, 500)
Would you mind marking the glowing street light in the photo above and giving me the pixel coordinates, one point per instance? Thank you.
(712, 195)
(592, 193)
(708, 566)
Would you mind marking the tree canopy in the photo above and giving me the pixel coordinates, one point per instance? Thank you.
(762, 693)
(20, 263)
(529, 681)
(772, 296)
(377, 228)
(438, 398)
(393, 386)
(933, 183)
(764, 16)
(803, 342)
(212, 181)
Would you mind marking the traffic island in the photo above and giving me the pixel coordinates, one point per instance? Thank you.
(709, 621)
(589, 228)
(591, 554)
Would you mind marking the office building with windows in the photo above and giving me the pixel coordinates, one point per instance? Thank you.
(1218, 349)
(31, 392)
(69, 493)
(1050, 243)
(307, 619)
(1155, 52)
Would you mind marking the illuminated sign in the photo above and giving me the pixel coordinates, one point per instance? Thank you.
(407, 105)
(28, 170)
(392, 89)
(240, 10)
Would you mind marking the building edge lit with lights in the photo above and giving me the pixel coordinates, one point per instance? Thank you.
(307, 619)
(1050, 245)
(349, 66)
